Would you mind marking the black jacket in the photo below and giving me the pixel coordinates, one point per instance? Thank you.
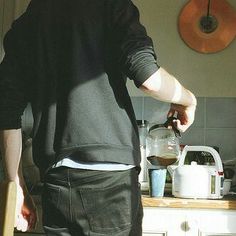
(70, 60)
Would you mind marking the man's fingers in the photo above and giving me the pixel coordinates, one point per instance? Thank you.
(182, 127)
(21, 224)
(32, 219)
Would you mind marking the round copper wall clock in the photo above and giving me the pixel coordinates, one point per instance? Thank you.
(207, 26)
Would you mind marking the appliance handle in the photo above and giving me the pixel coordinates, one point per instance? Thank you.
(208, 149)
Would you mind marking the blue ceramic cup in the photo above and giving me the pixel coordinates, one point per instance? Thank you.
(157, 180)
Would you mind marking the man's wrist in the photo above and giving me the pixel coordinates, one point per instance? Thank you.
(194, 99)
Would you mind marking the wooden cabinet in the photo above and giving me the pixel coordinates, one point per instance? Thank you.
(163, 222)
(188, 222)
(212, 222)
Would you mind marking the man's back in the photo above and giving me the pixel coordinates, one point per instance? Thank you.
(73, 55)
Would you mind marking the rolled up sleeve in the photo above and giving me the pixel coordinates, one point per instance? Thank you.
(135, 48)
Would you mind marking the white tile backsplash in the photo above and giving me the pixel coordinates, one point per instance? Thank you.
(225, 139)
(221, 112)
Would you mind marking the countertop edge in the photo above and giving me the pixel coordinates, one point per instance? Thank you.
(172, 202)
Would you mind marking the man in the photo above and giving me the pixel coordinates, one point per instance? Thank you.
(70, 60)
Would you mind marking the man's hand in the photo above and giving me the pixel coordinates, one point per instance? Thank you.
(26, 213)
(185, 116)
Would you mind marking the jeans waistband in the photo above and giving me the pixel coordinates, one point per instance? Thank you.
(65, 176)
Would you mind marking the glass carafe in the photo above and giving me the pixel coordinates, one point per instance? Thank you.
(163, 144)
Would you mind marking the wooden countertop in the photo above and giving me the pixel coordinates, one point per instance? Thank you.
(168, 201)
(227, 203)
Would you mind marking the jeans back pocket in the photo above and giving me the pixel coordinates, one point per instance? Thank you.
(108, 210)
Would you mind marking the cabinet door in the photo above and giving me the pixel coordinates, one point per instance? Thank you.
(187, 222)
(212, 222)
(162, 222)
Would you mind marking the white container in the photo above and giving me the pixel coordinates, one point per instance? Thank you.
(143, 175)
(226, 186)
(197, 181)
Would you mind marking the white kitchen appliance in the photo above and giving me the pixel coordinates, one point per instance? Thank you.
(143, 175)
(197, 181)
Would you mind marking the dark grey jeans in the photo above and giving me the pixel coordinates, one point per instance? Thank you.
(86, 202)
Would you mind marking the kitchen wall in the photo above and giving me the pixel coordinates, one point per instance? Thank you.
(207, 75)
(212, 78)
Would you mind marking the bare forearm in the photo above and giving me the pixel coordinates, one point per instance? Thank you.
(165, 87)
(11, 147)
